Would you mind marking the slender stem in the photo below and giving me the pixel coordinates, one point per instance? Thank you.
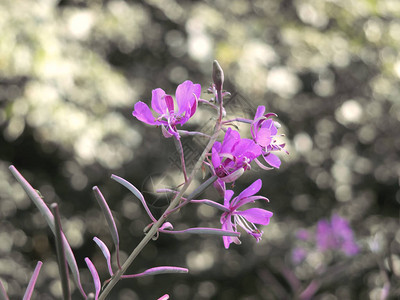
(175, 202)
(62, 261)
(195, 193)
(243, 120)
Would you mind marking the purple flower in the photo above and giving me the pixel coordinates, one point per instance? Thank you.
(244, 218)
(336, 235)
(169, 114)
(298, 255)
(264, 130)
(233, 156)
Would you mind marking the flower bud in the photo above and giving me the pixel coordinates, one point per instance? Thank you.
(218, 75)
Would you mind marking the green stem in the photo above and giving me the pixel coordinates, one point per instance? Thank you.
(163, 218)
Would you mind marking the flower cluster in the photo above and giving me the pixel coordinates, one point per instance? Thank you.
(229, 158)
(336, 235)
(330, 235)
(244, 218)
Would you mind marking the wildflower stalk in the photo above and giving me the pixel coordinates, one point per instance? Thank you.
(32, 282)
(62, 261)
(175, 202)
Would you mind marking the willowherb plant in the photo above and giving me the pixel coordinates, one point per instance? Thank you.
(227, 156)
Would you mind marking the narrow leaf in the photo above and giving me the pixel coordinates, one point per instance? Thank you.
(38, 201)
(203, 230)
(211, 203)
(95, 275)
(3, 294)
(106, 253)
(108, 215)
(134, 191)
(62, 261)
(200, 189)
(157, 271)
(31, 285)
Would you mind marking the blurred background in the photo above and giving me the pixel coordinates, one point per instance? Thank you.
(70, 74)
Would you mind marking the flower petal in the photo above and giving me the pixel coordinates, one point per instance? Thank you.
(229, 239)
(249, 191)
(263, 137)
(170, 103)
(193, 108)
(158, 102)
(232, 137)
(270, 124)
(184, 96)
(256, 215)
(215, 159)
(272, 160)
(247, 148)
(143, 113)
(227, 198)
(250, 199)
(260, 112)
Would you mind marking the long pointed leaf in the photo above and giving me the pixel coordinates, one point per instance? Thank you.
(157, 271)
(3, 294)
(62, 261)
(108, 215)
(203, 230)
(134, 191)
(106, 253)
(31, 285)
(95, 275)
(37, 200)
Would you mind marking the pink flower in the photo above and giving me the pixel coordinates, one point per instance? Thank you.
(233, 156)
(336, 235)
(169, 113)
(233, 217)
(264, 130)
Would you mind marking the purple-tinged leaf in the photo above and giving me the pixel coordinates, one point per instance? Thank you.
(41, 205)
(165, 297)
(106, 253)
(203, 230)
(211, 203)
(62, 261)
(193, 133)
(108, 215)
(201, 188)
(157, 271)
(31, 285)
(134, 191)
(95, 275)
(233, 176)
(3, 294)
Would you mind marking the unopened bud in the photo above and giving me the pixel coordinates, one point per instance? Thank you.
(218, 75)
